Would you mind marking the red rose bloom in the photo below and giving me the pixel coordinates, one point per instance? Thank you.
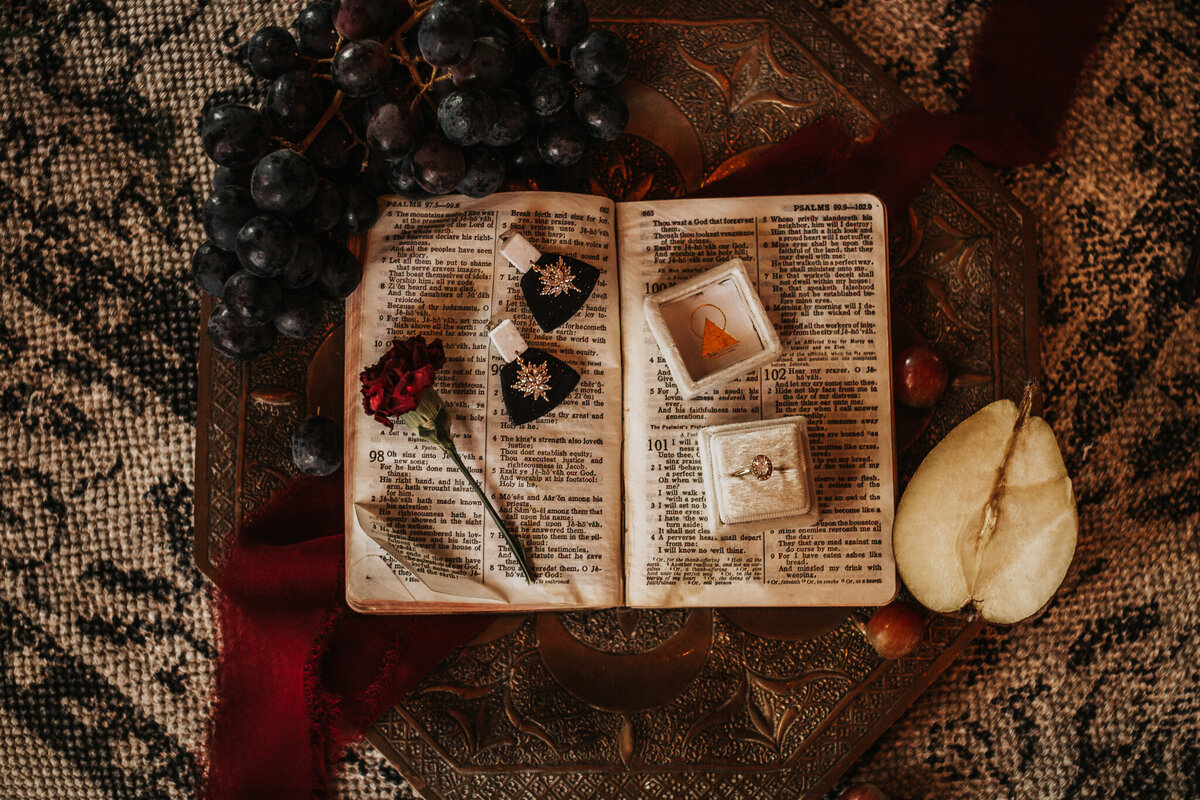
(394, 385)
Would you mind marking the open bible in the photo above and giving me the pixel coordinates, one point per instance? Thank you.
(606, 491)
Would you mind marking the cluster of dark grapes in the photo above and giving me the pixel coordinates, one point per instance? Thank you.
(379, 96)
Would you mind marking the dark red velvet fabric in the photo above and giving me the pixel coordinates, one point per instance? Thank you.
(300, 675)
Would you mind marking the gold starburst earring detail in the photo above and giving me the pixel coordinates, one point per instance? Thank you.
(555, 287)
(533, 380)
(557, 278)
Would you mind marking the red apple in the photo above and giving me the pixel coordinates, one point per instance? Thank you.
(896, 629)
(920, 375)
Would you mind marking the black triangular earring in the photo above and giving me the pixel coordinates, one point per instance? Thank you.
(555, 286)
(532, 382)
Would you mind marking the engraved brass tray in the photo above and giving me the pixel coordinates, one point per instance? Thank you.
(734, 703)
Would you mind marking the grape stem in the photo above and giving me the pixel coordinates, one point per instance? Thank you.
(329, 114)
(520, 23)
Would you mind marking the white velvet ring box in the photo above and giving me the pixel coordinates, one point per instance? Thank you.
(734, 459)
(712, 328)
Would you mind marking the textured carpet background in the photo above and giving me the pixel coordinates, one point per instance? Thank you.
(106, 639)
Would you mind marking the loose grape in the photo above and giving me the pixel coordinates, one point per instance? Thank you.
(234, 135)
(361, 67)
(561, 142)
(272, 52)
(317, 35)
(548, 91)
(237, 341)
(300, 314)
(600, 59)
(251, 299)
(602, 112)
(212, 266)
(284, 182)
(896, 629)
(920, 375)
(438, 165)
(485, 172)
(445, 35)
(265, 245)
(466, 116)
(564, 22)
(317, 446)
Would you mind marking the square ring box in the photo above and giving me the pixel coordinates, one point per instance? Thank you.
(758, 476)
(712, 328)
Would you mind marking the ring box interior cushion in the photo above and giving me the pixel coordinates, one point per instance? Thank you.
(742, 502)
(712, 329)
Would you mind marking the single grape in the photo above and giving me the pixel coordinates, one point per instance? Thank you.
(438, 165)
(600, 59)
(485, 172)
(919, 375)
(237, 341)
(272, 52)
(896, 629)
(471, 9)
(513, 119)
(340, 272)
(231, 176)
(466, 116)
(490, 63)
(564, 22)
(561, 142)
(283, 182)
(331, 148)
(294, 103)
(318, 38)
(548, 91)
(234, 135)
(445, 35)
(225, 212)
(265, 245)
(393, 129)
(400, 178)
(304, 266)
(361, 19)
(300, 314)
(362, 209)
(212, 266)
(361, 67)
(317, 446)
(602, 112)
(524, 156)
(251, 299)
(325, 210)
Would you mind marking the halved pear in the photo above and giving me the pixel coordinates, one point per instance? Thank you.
(989, 517)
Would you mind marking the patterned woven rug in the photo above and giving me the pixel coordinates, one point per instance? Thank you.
(106, 638)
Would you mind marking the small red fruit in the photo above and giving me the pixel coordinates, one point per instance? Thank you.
(896, 629)
(863, 791)
(921, 375)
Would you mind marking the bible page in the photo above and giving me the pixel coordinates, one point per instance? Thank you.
(820, 268)
(418, 538)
